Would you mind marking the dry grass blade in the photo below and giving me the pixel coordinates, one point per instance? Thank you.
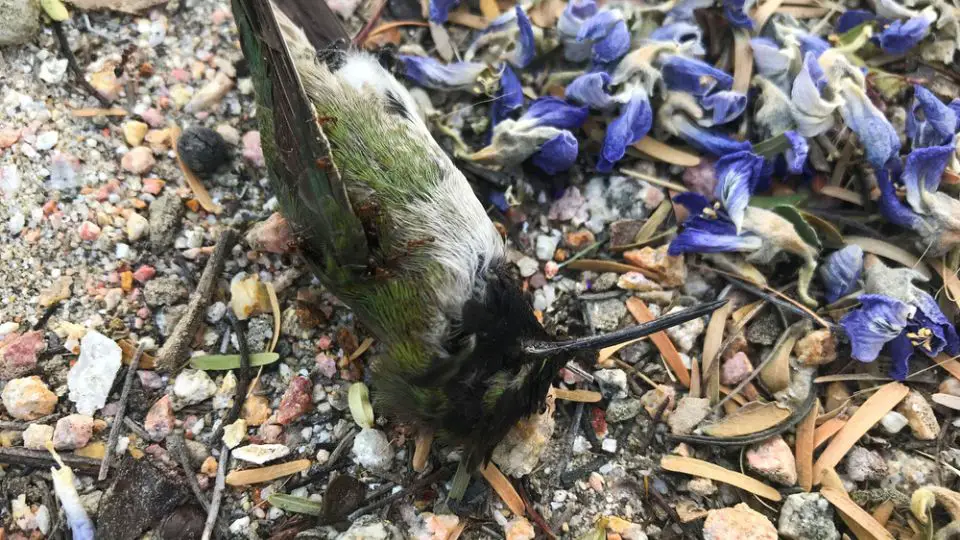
(421, 452)
(654, 221)
(695, 378)
(803, 12)
(704, 469)
(465, 18)
(764, 12)
(711, 351)
(947, 400)
(743, 59)
(266, 474)
(826, 430)
(852, 511)
(872, 410)
(607, 352)
(846, 377)
(364, 345)
(949, 364)
(578, 396)
(655, 180)
(751, 418)
(598, 265)
(950, 280)
(669, 352)
(666, 153)
(804, 449)
(504, 488)
(275, 308)
(776, 374)
(842, 194)
(890, 251)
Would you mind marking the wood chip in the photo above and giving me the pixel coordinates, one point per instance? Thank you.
(266, 474)
(704, 469)
(892, 252)
(804, 448)
(666, 153)
(711, 351)
(504, 488)
(750, 418)
(642, 314)
(872, 410)
(578, 396)
(826, 430)
(883, 511)
(851, 510)
(947, 400)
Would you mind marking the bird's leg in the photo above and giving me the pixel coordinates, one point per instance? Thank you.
(422, 450)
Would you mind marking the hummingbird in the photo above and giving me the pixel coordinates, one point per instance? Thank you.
(393, 229)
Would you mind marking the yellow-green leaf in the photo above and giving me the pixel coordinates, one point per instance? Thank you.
(360, 408)
(297, 505)
(217, 362)
(55, 10)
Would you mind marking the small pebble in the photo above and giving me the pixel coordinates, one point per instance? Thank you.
(28, 398)
(738, 523)
(160, 419)
(816, 348)
(19, 357)
(202, 150)
(807, 516)
(192, 386)
(138, 160)
(296, 401)
(774, 460)
(134, 131)
(35, 437)
(689, 413)
(893, 422)
(72, 432)
(372, 449)
(233, 434)
(260, 453)
(920, 416)
(89, 231)
(735, 369)
(252, 150)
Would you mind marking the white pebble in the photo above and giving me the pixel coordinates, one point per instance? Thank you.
(893, 422)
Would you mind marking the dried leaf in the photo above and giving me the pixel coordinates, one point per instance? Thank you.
(765, 11)
(769, 202)
(776, 374)
(218, 362)
(750, 418)
(546, 12)
(266, 474)
(829, 235)
(872, 410)
(851, 510)
(504, 488)
(883, 511)
(804, 448)
(950, 280)
(581, 396)
(275, 307)
(656, 181)
(358, 398)
(465, 18)
(704, 469)
(695, 378)
(297, 505)
(360, 350)
(55, 10)
(826, 430)
(890, 251)
(669, 352)
(88, 112)
(711, 351)
(842, 194)
(128, 349)
(196, 186)
(598, 265)
(666, 153)
(949, 364)
(604, 354)
(804, 12)
(947, 400)
(421, 451)
(804, 230)
(654, 221)
(742, 61)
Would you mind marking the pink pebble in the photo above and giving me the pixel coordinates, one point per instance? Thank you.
(296, 401)
(153, 117)
(180, 75)
(325, 342)
(252, 151)
(144, 273)
(326, 365)
(736, 369)
(153, 186)
(89, 231)
(160, 420)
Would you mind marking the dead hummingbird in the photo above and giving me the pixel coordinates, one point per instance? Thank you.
(393, 229)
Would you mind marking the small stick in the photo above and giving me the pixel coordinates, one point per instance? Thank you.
(178, 345)
(243, 381)
(421, 452)
(214, 511)
(176, 445)
(135, 427)
(534, 515)
(39, 458)
(74, 66)
(415, 487)
(21, 426)
(121, 412)
(331, 464)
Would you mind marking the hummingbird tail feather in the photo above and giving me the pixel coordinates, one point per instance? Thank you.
(316, 20)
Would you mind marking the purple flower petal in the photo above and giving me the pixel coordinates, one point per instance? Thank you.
(772, 61)
(527, 48)
(709, 141)
(508, 98)
(853, 18)
(727, 105)
(955, 107)
(693, 76)
(440, 10)
(900, 37)
(899, 349)
(558, 154)
(943, 335)
(613, 46)
(630, 126)
(840, 272)
(683, 10)
(693, 202)
(598, 26)
(878, 320)
(568, 26)
(431, 73)
(938, 123)
(810, 43)
(796, 155)
(874, 130)
(592, 90)
(702, 235)
(892, 208)
(555, 112)
(736, 14)
(737, 175)
(922, 173)
(678, 32)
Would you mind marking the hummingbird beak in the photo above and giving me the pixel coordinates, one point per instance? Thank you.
(548, 348)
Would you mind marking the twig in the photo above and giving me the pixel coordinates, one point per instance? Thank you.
(331, 464)
(136, 428)
(47, 313)
(652, 430)
(40, 458)
(364, 32)
(413, 488)
(773, 296)
(243, 381)
(177, 446)
(121, 412)
(74, 66)
(22, 426)
(214, 511)
(178, 346)
(534, 515)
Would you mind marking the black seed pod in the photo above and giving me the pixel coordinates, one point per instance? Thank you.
(202, 150)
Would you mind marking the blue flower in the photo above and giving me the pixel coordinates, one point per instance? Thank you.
(840, 272)
(796, 155)
(810, 43)
(431, 73)
(893, 209)
(708, 230)
(557, 113)
(874, 130)
(630, 126)
(899, 37)
(693, 76)
(440, 10)
(727, 105)
(772, 61)
(852, 18)
(683, 10)
(558, 154)
(708, 140)
(938, 123)
(527, 49)
(499, 199)
(923, 171)
(688, 36)
(736, 13)
(737, 177)
(955, 107)
(568, 26)
(608, 33)
(508, 98)
(878, 320)
(592, 90)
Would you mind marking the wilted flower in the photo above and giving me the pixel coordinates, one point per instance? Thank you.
(736, 13)
(737, 178)
(840, 272)
(879, 138)
(812, 103)
(774, 115)
(726, 105)
(853, 18)
(899, 37)
(592, 90)
(544, 130)
(879, 319)
(558, 154)
(688, 37)
(683, 10)
(509, 96)
(568, 26)
(431, 73)
(693, 76)
(678, 116)
(440, 10)
(631, 125)
(773, 62)
(796, 154)
(513, 33)
(608, 33)
(709, 229)
(935, 126)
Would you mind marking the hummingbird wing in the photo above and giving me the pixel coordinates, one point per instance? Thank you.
(318, 22)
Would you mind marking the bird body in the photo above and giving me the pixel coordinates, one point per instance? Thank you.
(393, 229)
